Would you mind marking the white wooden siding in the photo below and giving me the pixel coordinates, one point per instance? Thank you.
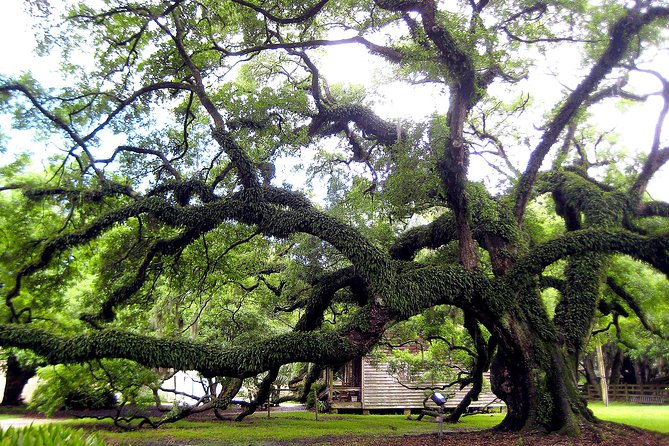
(380, 390)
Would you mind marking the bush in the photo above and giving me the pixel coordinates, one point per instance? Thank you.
(92, 386)
(69, 387)
(89, 399)
(47, 435)
(310, 402)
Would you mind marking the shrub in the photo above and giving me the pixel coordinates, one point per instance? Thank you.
(69, 387)
(79, 399)
(310, 402)
(92, 386)
(47, 435)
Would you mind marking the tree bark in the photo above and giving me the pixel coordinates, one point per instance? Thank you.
(481, 364)
(532, 376)
(17, 377)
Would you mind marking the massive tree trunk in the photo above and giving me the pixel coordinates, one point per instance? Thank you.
(17, 377)
(532, 372)
(531, 375)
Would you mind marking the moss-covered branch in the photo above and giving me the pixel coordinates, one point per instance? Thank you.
(652, 250)
(551, 282)
(278, 214)
(436, 234)
(322, 295)
(494, 229)
(419, 288)
(334, 120)
(208, 358)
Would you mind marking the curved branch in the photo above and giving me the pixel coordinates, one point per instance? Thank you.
(157, 153)
(552, 282)
(278, 213)
(434, 235)
(315, 77)
(652, 250)
(57, 245)
(107, 189)
(332, 121)
(239, 158)
(306, 15)
(657, 157)
(655, 161)
(323, 294)
(621, 34)
(389, 54)
(634, 306)
(493, 231)
(264, 393)
(126, 291)
(653, 209)
(55, 120)
(134, 97)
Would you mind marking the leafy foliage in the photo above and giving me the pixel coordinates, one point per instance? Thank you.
(47, 435)
(92, 386)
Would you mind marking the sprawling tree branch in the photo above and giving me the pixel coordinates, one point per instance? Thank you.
(621, 35)
(332, 121)
(652, 250)
(434, 235)
(631, 302)
(209, 359)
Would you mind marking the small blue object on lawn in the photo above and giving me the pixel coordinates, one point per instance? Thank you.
(439, 399)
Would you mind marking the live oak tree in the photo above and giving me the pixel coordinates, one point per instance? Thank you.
(205, 101)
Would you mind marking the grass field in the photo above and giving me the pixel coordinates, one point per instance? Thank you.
(288, 427)
(651, 417)
(299, 425)
(292, 426)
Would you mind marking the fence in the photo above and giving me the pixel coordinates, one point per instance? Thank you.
(634, 393)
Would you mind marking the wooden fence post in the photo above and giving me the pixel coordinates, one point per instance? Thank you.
(603, 382)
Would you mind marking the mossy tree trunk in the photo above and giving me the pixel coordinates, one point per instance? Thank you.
(532, 377)
(533, 372)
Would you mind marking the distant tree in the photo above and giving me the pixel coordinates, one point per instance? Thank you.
(211, 98)
(18, 372)
(633, 303)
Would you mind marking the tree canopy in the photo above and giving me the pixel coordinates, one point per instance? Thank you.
(168, 205)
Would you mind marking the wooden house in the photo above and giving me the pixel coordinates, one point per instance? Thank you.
(365, 385)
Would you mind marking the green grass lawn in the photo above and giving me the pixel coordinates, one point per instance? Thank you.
(6, 416)
(289, 427)
(645, 416)
(293, 426)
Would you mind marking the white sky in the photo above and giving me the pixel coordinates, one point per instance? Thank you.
(346, 64)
